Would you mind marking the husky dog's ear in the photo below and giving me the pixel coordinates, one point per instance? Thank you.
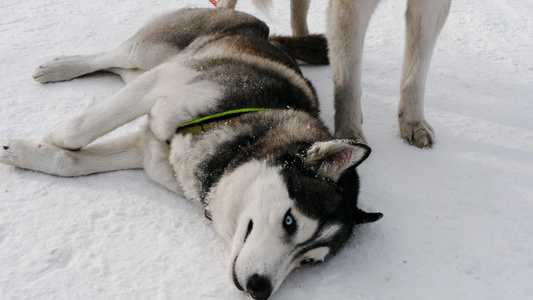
(361, 217)
(331, 158)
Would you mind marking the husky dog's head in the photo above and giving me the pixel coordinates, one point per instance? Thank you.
(297, 209)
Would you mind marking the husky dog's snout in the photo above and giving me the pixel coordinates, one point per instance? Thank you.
(259, 287)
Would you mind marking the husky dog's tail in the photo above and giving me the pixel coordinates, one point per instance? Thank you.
(309, 49)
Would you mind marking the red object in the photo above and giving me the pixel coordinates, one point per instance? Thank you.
(214, 2)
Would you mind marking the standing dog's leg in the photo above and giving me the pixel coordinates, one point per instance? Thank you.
(299, 9)
(424, 20)
(227, 4)
(347, 24)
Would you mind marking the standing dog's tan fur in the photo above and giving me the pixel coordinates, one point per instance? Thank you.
(347, 25)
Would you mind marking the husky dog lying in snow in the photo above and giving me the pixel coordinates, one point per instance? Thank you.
(347, 24)
(279, 189)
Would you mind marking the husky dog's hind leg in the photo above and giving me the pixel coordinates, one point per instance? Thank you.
(129, 60)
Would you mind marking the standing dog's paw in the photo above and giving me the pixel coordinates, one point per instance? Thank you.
(419, 134)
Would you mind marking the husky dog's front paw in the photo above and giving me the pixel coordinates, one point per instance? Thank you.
(419, 134)
(163, 120)
(37, 156)
(21, 153)
(62, 137)
(6, 154)
(61, 69)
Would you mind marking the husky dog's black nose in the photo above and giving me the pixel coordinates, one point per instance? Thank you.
(259, 287)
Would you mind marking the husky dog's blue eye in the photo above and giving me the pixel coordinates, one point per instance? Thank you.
(289, 220)
(289, 223)
(308, 261)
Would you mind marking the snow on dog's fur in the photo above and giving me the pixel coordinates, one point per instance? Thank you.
(280, 190)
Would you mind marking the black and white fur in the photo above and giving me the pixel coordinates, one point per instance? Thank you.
(279, 189)
(347, 25)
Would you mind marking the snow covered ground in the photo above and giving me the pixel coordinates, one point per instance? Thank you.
(458, 218)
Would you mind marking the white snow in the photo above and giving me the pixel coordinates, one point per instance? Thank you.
(458, 218)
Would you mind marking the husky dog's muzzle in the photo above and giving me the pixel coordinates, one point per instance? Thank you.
(259, 287)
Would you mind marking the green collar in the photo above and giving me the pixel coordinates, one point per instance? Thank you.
(206, 123)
